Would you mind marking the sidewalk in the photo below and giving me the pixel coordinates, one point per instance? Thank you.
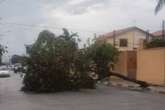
(157, 89)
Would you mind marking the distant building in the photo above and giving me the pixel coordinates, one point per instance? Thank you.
(158, 34)
(127, 39)
(28, 48)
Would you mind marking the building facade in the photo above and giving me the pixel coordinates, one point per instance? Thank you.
(127, 39)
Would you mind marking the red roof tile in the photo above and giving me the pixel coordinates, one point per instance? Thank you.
(118, 32)
(157, 33)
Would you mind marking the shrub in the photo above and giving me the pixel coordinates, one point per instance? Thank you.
(156, 43)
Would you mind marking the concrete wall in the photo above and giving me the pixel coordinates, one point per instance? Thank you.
(151, 65)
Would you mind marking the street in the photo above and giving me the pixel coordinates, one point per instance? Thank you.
(102, 98)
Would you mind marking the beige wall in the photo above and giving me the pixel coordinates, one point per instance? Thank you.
(133, 40)
(151, 65)
(126, 64)
(121, 64)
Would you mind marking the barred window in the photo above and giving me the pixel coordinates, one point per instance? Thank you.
(123, 42)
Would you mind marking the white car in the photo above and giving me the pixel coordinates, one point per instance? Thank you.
(4, 72)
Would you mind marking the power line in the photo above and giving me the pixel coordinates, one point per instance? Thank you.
(46, 26)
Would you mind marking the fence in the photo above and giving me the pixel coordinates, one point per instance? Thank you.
(151, 65)
(127, 64)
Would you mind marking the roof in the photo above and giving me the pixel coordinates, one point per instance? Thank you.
(120, 31)
(157, 33)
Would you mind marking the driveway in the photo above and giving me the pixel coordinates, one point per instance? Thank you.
(103, 98)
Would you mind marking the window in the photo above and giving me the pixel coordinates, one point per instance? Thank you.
(123, 43)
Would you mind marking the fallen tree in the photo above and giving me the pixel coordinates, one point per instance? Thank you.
(55, 63)
(142, 84)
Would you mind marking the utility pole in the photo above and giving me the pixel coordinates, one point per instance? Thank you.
(114, 38)
(94, 38)
(95, 35)
(147, 35)
(163, 29)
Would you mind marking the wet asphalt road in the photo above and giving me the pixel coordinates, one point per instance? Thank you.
(103, 98)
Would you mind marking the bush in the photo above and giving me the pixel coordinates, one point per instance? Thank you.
(56, 64)
(156, 43)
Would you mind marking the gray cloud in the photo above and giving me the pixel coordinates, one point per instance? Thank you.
(83, 16)
(74, 6)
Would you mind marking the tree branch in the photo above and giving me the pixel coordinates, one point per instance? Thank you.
(142, 84)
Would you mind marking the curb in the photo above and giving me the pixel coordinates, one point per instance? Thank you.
(136, 88)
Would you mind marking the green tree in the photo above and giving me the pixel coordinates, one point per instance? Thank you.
(104, 55)
(3, 49)
(155, 43)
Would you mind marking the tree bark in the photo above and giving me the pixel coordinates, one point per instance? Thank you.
(142, 84)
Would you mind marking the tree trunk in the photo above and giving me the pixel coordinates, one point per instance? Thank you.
(141, 83)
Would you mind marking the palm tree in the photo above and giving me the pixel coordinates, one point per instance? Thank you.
(159, 6)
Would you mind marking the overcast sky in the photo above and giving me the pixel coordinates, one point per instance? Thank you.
(22, 20)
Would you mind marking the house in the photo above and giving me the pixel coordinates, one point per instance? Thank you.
(158, 34)
(127, 39)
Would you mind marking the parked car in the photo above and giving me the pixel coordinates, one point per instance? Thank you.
(4, 72)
